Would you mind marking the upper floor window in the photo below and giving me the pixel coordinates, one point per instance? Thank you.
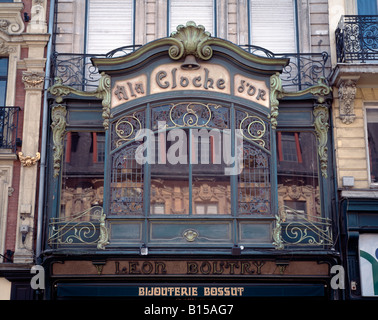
(272, 25)
(199, 11)
(110, 25)
(3, 80)
(367, 7)
(372, 142)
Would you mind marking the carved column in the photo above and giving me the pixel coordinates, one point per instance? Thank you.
(347, 93)
(33, 82)
(35, 39)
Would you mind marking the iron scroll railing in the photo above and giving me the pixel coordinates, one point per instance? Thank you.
(8, 127)
(303, 70)
(357, 39)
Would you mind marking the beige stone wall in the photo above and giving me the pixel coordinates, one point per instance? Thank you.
(350, 139)
(232, 17)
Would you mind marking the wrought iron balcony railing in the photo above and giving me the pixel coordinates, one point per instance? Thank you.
(8, 127)
(303, 71)
(357, 39)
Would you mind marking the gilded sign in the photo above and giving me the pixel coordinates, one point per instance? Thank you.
(129, 89)
(251, 89)
(209, 77)
(241, 267)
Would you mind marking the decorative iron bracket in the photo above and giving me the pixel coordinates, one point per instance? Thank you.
(102, 92)
(302, 230)
(85, 228)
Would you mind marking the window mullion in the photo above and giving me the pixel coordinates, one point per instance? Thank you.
(190, 173)
(234, 178)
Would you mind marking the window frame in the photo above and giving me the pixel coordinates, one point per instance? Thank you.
(214, 31)
(296, 26)
(367, 106)
(86, 31)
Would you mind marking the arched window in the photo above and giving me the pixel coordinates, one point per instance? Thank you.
(198, 170)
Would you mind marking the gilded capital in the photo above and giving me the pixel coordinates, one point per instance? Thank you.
(33, 80)
(28, 161)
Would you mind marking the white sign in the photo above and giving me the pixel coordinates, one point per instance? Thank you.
(368, 252)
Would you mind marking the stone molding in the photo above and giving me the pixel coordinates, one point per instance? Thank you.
(347, 93)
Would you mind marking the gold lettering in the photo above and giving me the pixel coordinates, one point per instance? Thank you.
(191, 268)
(147, 267)
(258, 265)
(220, 270)
(160, 268)
(205, 267)
(133, 268)
(245, 268)
(232, 265)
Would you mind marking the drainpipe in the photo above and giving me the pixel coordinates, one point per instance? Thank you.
(44, 136)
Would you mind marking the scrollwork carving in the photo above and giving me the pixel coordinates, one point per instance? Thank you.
(275, 94)
(191, 40)
(347, 93)
(321, 129)
(33, 80)
(58, 125)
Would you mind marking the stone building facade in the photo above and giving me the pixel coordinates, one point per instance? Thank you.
(24, 38)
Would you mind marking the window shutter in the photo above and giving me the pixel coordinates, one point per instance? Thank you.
(110, 25)
(273, 25)
(199, 11)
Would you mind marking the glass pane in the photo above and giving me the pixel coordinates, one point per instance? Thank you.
(170, 174)
(367, 7)
(126, 189)
(82, 174)
(211, 195)
(297, 168)
(372, 128)
(254, 181)
(200, 11)
(3, 67)
(3, 92)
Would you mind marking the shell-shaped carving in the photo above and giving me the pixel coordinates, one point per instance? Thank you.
(191, 41)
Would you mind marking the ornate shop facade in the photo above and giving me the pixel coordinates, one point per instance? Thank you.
(190, 171)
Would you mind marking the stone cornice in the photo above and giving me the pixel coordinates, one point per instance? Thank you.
(11, 21)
